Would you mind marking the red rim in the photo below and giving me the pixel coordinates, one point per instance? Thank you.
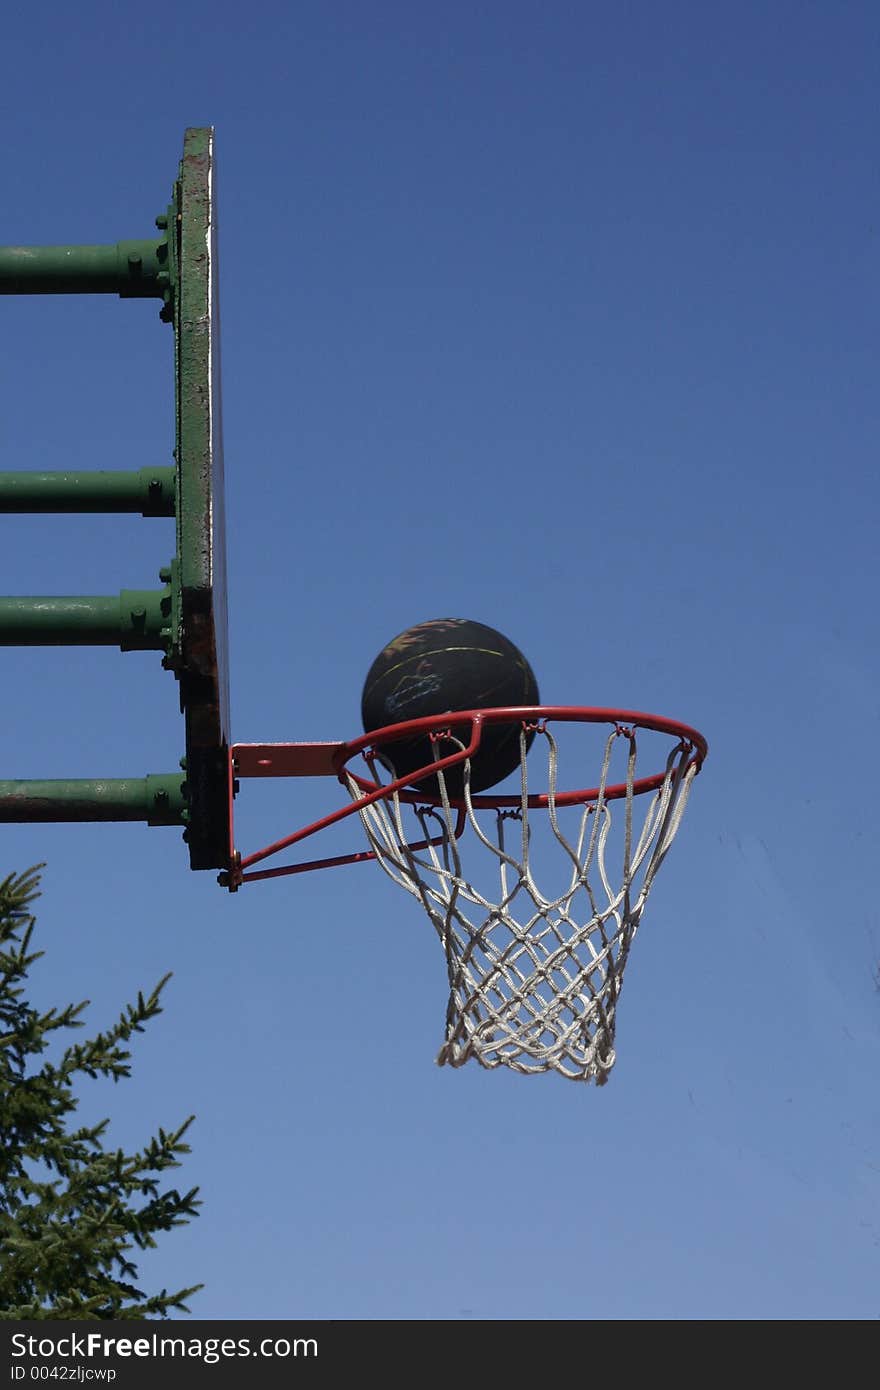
(332, 759)
(531, 715)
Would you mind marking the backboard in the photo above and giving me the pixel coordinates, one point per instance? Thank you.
(201, 662)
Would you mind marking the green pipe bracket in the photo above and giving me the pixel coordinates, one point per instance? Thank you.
(149, 491)
(131, 269)
(135, 620)
(159, 799)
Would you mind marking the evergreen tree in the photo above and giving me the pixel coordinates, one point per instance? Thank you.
(70, 1211)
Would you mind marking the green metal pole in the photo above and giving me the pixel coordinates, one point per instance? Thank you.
(157, 799)
(131, 269)
(135, 620)
(150, 491)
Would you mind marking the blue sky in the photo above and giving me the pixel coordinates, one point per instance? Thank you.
(562, 318)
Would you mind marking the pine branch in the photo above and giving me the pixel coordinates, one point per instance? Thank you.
(71, 1212)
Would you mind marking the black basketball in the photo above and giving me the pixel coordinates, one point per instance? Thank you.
(449, 664)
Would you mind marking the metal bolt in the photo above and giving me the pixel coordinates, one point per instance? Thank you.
(165, 574)
(161, 221)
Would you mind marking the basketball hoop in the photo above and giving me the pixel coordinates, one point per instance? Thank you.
(534, 976)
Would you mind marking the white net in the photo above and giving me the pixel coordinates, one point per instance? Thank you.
(534, 979)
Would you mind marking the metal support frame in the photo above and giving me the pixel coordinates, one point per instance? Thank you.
(185, 620)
